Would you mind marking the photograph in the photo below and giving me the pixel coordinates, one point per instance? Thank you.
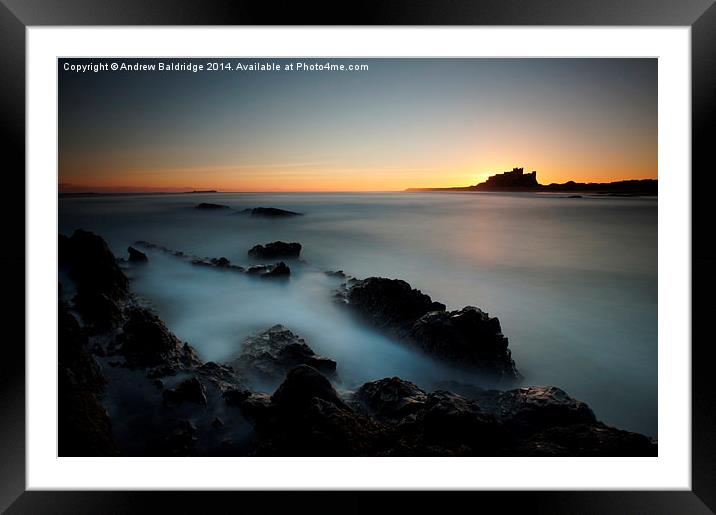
(385, 257)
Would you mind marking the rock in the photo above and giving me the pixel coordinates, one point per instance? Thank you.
(451, 420)
(587, 440)
(136, 256)
(391, 399)
(217, 423)
(301, 386)
(190, 390)
(93, 266)
(222, 376)
(336, 273)
(147, 342)
(530, 410)
(99, 312)
(206, 206)
(388, 303)
(279, 270)
(220, 262)
(84, 428)
(235, 396)
(305, 417)
(270, 354)
(468, 337)
(275, 250)
(270, 212)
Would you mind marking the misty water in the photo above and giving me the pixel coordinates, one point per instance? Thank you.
(572, 280)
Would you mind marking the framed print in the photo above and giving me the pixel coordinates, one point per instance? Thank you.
(426, 248)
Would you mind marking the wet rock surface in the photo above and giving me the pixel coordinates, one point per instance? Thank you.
(275, 250)
(145, 341)
(270, 354)
(468, 337)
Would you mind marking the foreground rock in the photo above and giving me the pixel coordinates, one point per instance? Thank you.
(270, 354)
(207, 206)
(84, 428)
(276, 250)
(100, 284)
(270, 212)
(468, 337)
(146, 342)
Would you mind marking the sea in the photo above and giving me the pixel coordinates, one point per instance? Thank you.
(573, 281)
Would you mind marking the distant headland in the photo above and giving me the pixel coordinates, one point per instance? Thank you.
(517, 180)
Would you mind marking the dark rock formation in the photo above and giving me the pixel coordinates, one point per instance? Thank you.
(181, 440)
(279, 270)
(389, 303)
(269, 354)
(275, 250)
(468, 337)
(100, 283)
(391, 399)
(207, 206)
(270, 212)
(146, 342)
(190, 390)
(136, 256)
(305, 417)
(84, 428)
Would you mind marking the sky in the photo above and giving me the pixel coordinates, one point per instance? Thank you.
(402, 123)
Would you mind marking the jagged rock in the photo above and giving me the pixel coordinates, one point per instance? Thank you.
(275, 250)
(279, 270)
(99, 312)
(217, 423)
(391, 399)
(147, 342)
(190, 390)
(451, 420)
(136, 256)
(222, 376)
(84, 428)
(93, 266)
(270, 212)
(388, 303)
(207, 206)
(466, 337)
(302, 384)
(336, 273)
(530, 410)
(269, 354)
(587, 440)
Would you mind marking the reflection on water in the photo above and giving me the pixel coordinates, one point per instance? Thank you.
(573, 281)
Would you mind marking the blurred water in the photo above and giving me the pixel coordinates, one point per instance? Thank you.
(573, 281)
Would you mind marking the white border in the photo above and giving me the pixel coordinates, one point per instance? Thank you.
(670, 470)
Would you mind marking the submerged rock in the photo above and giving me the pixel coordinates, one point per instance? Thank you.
(270, 212)
(207, 206)
(270, 354)
(468, 337)
(275, 250)
(136, 256)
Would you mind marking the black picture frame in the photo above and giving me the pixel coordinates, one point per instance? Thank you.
(17, 15)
